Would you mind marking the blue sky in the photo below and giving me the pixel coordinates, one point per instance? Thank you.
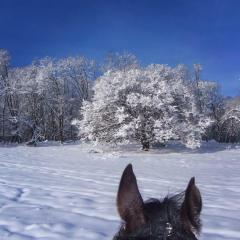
(156, 31)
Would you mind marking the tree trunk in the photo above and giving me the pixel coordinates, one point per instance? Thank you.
(145, 146)
(61, 124)
(3, 122)
(145, 143)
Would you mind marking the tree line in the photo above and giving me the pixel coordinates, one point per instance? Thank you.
(118, 100)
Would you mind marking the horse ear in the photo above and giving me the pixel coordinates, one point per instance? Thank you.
(191, 208)
(129, 200)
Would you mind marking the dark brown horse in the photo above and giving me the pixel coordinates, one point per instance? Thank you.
(173, 218)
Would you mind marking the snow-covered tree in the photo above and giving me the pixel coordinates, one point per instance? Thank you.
(65, 84)
(41, 100)
(209, 101)
(229, 125)
(148, 105)
(120, 61)
(212, 106)
(4, 63)
(9, 99)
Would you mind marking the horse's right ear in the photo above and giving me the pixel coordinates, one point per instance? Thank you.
(191, 207)
(129, 200)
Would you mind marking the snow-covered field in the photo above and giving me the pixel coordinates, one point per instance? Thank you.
(55, 192)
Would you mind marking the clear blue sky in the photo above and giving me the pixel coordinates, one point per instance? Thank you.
(156, 31)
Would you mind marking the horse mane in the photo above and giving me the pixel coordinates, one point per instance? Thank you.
(175, 217)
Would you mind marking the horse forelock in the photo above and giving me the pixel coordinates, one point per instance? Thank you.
(158, 213)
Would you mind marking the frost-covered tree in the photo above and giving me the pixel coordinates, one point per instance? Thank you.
(209, 102)
(41, 100)
(148, 105)
(4, 67)
(229, 125)
(120, 61)
(64, 84)
(9, 98)
(212, 106)
(197, 86)
(4, 63)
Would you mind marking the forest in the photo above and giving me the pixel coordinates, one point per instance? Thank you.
(114, 101)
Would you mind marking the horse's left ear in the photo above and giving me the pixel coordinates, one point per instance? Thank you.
(191, 208)
(129, 200)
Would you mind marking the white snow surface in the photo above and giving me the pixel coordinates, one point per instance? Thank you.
(58, 192)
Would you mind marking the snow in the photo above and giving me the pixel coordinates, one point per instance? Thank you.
(56, 192)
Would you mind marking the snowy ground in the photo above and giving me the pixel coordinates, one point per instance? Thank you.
(68, 192)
